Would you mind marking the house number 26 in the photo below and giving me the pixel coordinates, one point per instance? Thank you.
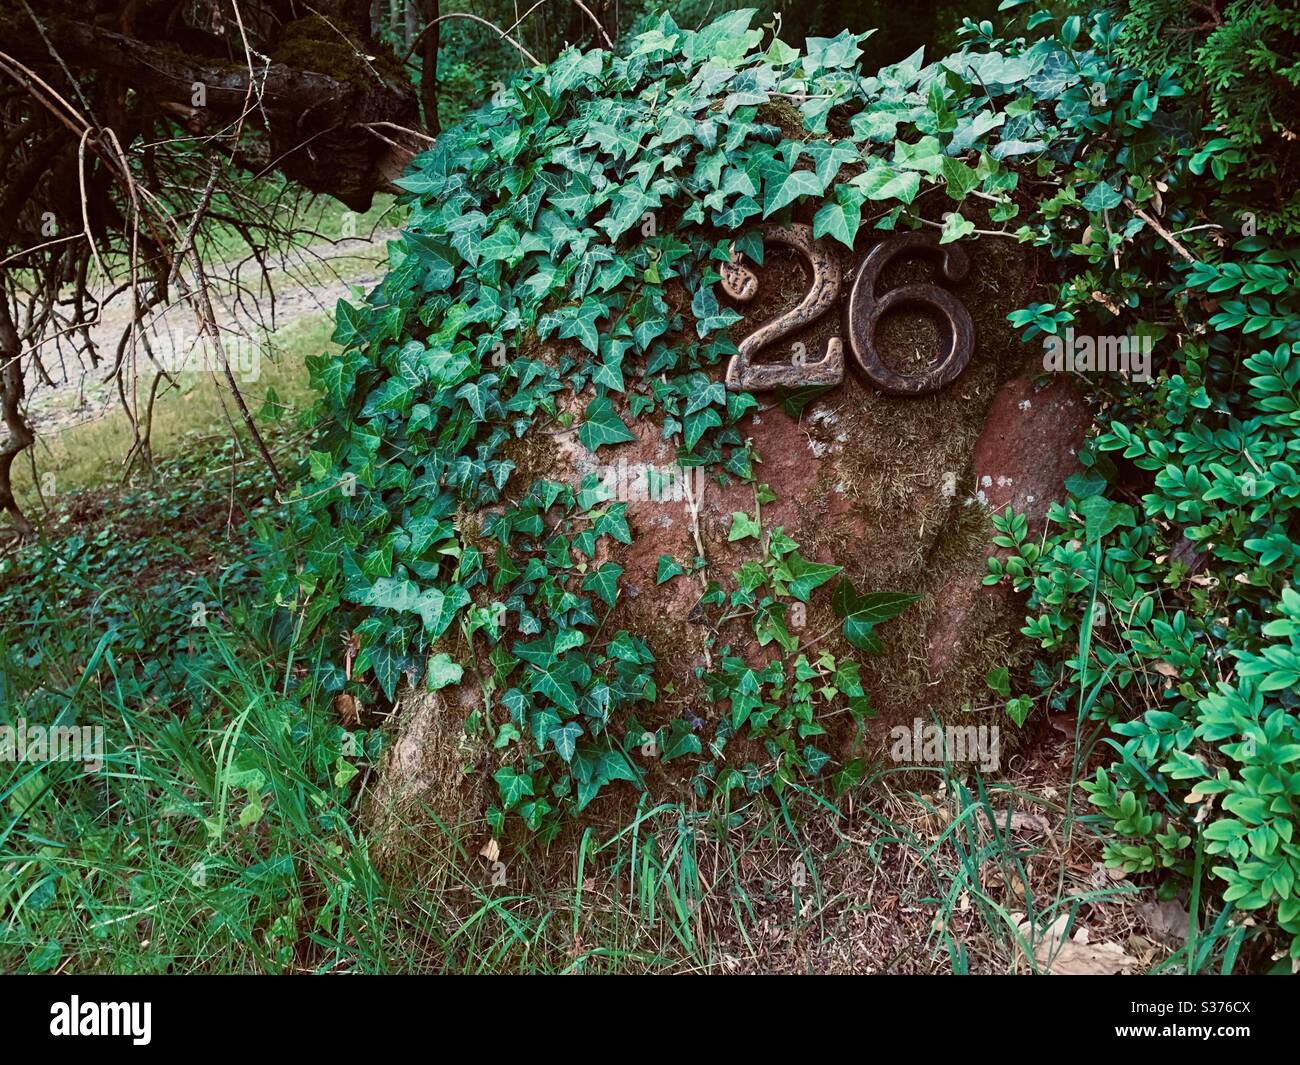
(863, 311)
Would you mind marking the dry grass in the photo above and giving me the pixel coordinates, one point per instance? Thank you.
(914, 874)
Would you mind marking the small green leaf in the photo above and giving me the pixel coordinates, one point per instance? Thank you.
(742, 526)
(668, 569)
(603, 425)
(443, 672)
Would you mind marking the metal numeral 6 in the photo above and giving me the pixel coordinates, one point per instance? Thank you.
(864, 309)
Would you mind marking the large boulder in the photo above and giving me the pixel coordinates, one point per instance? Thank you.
(557, 317)
(897, 490)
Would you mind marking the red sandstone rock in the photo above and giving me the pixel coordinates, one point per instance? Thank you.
(1029, 446)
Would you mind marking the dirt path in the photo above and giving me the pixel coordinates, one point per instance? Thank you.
(305, 282)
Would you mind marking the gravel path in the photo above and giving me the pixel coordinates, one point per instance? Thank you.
(307, 282)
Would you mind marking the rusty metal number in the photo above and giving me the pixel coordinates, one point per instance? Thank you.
(863, 311)
(740, 283)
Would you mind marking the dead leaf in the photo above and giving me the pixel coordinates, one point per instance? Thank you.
(1167, 920)
(491, 850)
(1058, 956)
(1020, 821)
(347, 708)
(1065, 723)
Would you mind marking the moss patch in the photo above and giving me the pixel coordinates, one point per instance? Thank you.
(317, 44)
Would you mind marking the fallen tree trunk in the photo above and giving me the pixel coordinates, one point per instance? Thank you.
(340, 131)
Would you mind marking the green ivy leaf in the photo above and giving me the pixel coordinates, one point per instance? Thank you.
(604, 582)
(668, 569)
(512, 785)
(565, 739)
(443, 672)
(602, 425)
(785, 190)
(840, 217)
(742, 526)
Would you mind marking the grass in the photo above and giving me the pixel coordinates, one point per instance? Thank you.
(226, 839)
(225, 832)
(219, 843)
(309, 218)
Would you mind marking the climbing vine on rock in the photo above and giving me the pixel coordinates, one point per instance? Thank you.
(557, 274)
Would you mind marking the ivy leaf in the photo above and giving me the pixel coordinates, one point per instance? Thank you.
(613, 522)
(959, 178)
(784, 190)
(1018, 709)
(874, 607)
(955, 227)
(604, 582)
(827, 53)
(580, 323)
(386, 666)
(319, 463)
(999, 680)
(512, 785)
(861, 613)
(698, 424)
(602, 425)
(443, 672)
(710, 316)
(502, 243)
(349, 322)
(924, 155)
(742, 526)
(1101, 197)
(802, 576)
(668, 569)
(679, 742)
(1101, 516)
(883, 182)
(840, 217)
(780, 54)
(553, 682)
(336, 375)
(565, 739)
(436, 607)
